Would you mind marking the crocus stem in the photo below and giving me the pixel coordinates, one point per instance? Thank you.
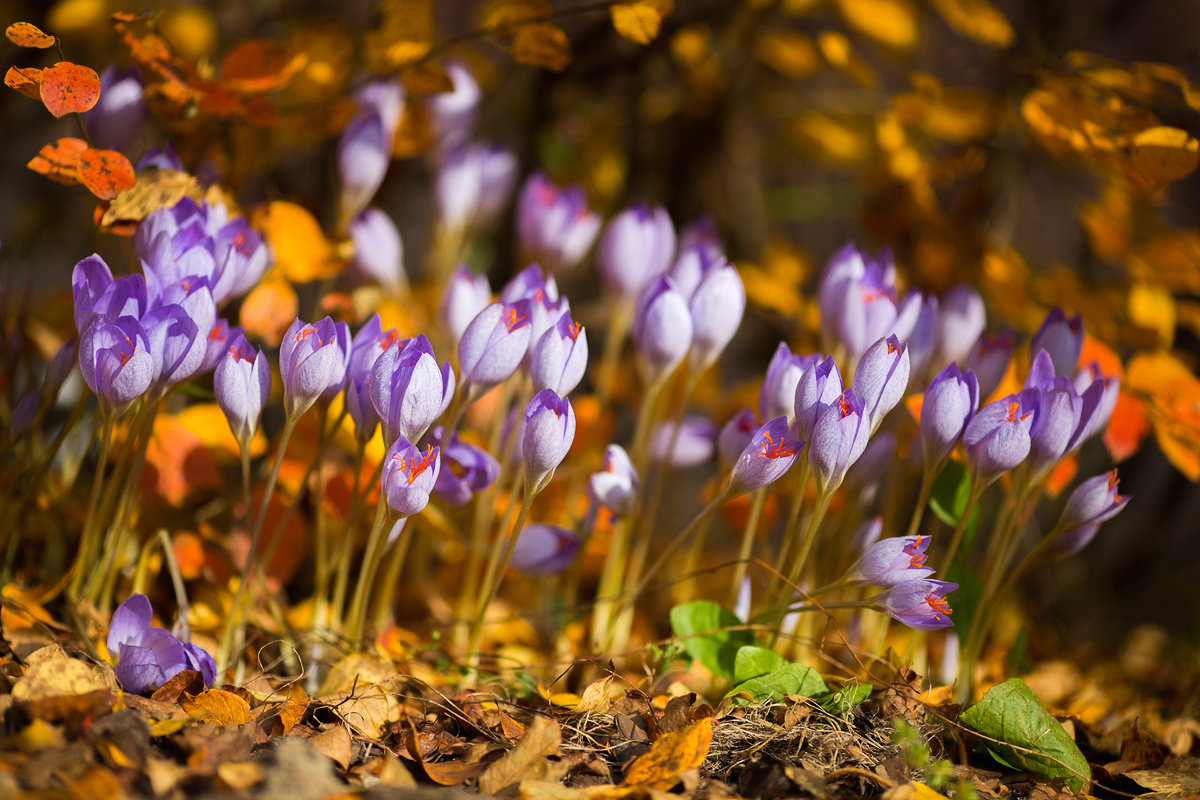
(747, 545)
(498, 564)
(779, 588)
(796, 572)
(350, 534)
(386, 590)
(357, 615)
(608, 592)
(614, 339)
(87, 542)
(686, 589)
(235, 625)
(927, 478)
(959, 529)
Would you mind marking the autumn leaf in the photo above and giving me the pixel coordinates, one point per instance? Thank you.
(978, 19)
(106, 173)
(60, 161)
(268, 309)
(640, 21)
(890, 22)
(404, 36)
(152, 188)
(1165, 155)
(670, 756)
(302, 253)
(26, 80)
(260, 65)
(1172, 396)
(217, 707)
(542, 45)
(69, 88)
(25, 34)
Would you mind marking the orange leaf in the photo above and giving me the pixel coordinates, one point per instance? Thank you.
(260, 65)
(301, 251)
(1127, 427)
(217, 707)
(60, 161)
(188, 550)
(106, 173)
(69, 88)
(268, 310)
(670, 756)
(25, 34)
(542, 45)
(178, 463)
(27, 81)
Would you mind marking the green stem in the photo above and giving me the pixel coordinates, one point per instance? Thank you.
(614, 340)
(956, 538)
(87, 542)
(914, 523)
(747, 546)
(342, 582)
(501, 554)
(366, 574)
(385, 596)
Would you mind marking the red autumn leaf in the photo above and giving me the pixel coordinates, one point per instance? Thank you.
(260, 65)
(106, 173)
(60, 161)
(25, 34)
(69, 88)
(27, 81)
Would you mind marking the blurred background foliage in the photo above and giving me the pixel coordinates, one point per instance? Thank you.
(1044, 152)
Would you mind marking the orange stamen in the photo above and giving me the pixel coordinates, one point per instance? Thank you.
(413, 467)
(511, 320)
(773, 449)
(388, 339)
(891, 347)
(939, 604)
(917, 559)
(573, 330)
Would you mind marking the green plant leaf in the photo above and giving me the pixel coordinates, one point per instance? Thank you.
(949, 496)
(966, 597)
(846, 698)
(753, 661)
(790, 679)
(697, 624)
(1011, 713)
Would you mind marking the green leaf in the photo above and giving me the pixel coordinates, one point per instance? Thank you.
(790, 679)
(846, 698)
(697, 623)
(950, 489)
(966, 597)
(1011, 713)
(753, 661)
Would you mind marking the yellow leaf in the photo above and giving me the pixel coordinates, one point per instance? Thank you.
(503, 13)
(978, 19)
(891, 22)
(840, 54)
(1164, 154)
(542, 45)
(1172, 395)
(191, 29)
(789, 53)
(670, 756)
(595, 697)
(835, 139)
(1153, 307)
(153, 188)
(640, 21)
(404, 36)
(302, 253)
(210, 425)
(216, 707)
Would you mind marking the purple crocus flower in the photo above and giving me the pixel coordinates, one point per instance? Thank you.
(473, 185)
(881, 378)
(549, 432)
(385, 97)
(543, 549)
(163, 157)
(546, 304)
(149, 656)
(378, 250)
(175, 344)
(735, 435)
(1059, 409)
(777, 397)
(240, 257)
(988, 359)
(950, 402)
(662, 329)
(998, 437)
(466, 294)
(312, 362)
(453, 112)
(554, 225)
(693, 446)
(615, 486)
(866, 534)
(364, 152)
(1099, 397)
(216, 345)
(116, 363)
(560, 357)
(961, 318)
(1062, 338)
(892, 561)
(469, 469)
(637, 245)
(857, 298)
(365, 349)
(695, 260)
(916, 327)
(97, 294)
(494, 344)
(769, 454)
(409, 475)
(919, 604)
(839, 437)
(716, 306)
(408, 390)
(1093, 501)
(120, 113)
(818, 388)
(242, 384)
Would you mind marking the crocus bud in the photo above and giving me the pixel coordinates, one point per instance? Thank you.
(818, 388)
(554, 225)
(637, 245)
(363, 154)
(469, 469)
(892, 561)
(453, 112)
(690, 447)
(950, 402)
(769, 454)
(662, 329)
(866, 534)
(881, 378)
(839, 437)
(97, 294)
(408, 390)
(473, 185)
(163, 157)
(242, 384)
(240, 258)
(312, 360)
(560, 357)
(466, 294)
(543, 549)
(216, 346)
(960, 321)
(777, 397)
(175, 344)
(120, 113)
(1059, 407)
(409, 476)
(365, 349)
(997, 438)
(549, 432)
(493, 345)
(378, 251)
(716, 306)
(695, 260)
(615, 487)
(1062, 338)
(116, 363)
(1093, 501)
(919, 604)
(857, 298)
(1099, 398)
(988, 359)
(735, 435)
(921, 337)
(385, 97)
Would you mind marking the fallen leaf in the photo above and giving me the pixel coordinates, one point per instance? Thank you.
(1179, 776)
(217, 707)
(106, 173)
(302, 253)
(56, 677)
(25, 34)
(69, 88)
(541, 44)
(670, 756)
(188, 681)
(334, 741)
(595, 698)
(268, 310)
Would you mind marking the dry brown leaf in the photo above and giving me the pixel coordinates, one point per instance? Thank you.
(670, 756)
(595, 699)
(239, 775)
(217, 707)
(60, 676)
(356, 672)
(334, 741)
(152, 188)
(368, 711)
(542, 738)
(542, 45)
(1164, 155)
